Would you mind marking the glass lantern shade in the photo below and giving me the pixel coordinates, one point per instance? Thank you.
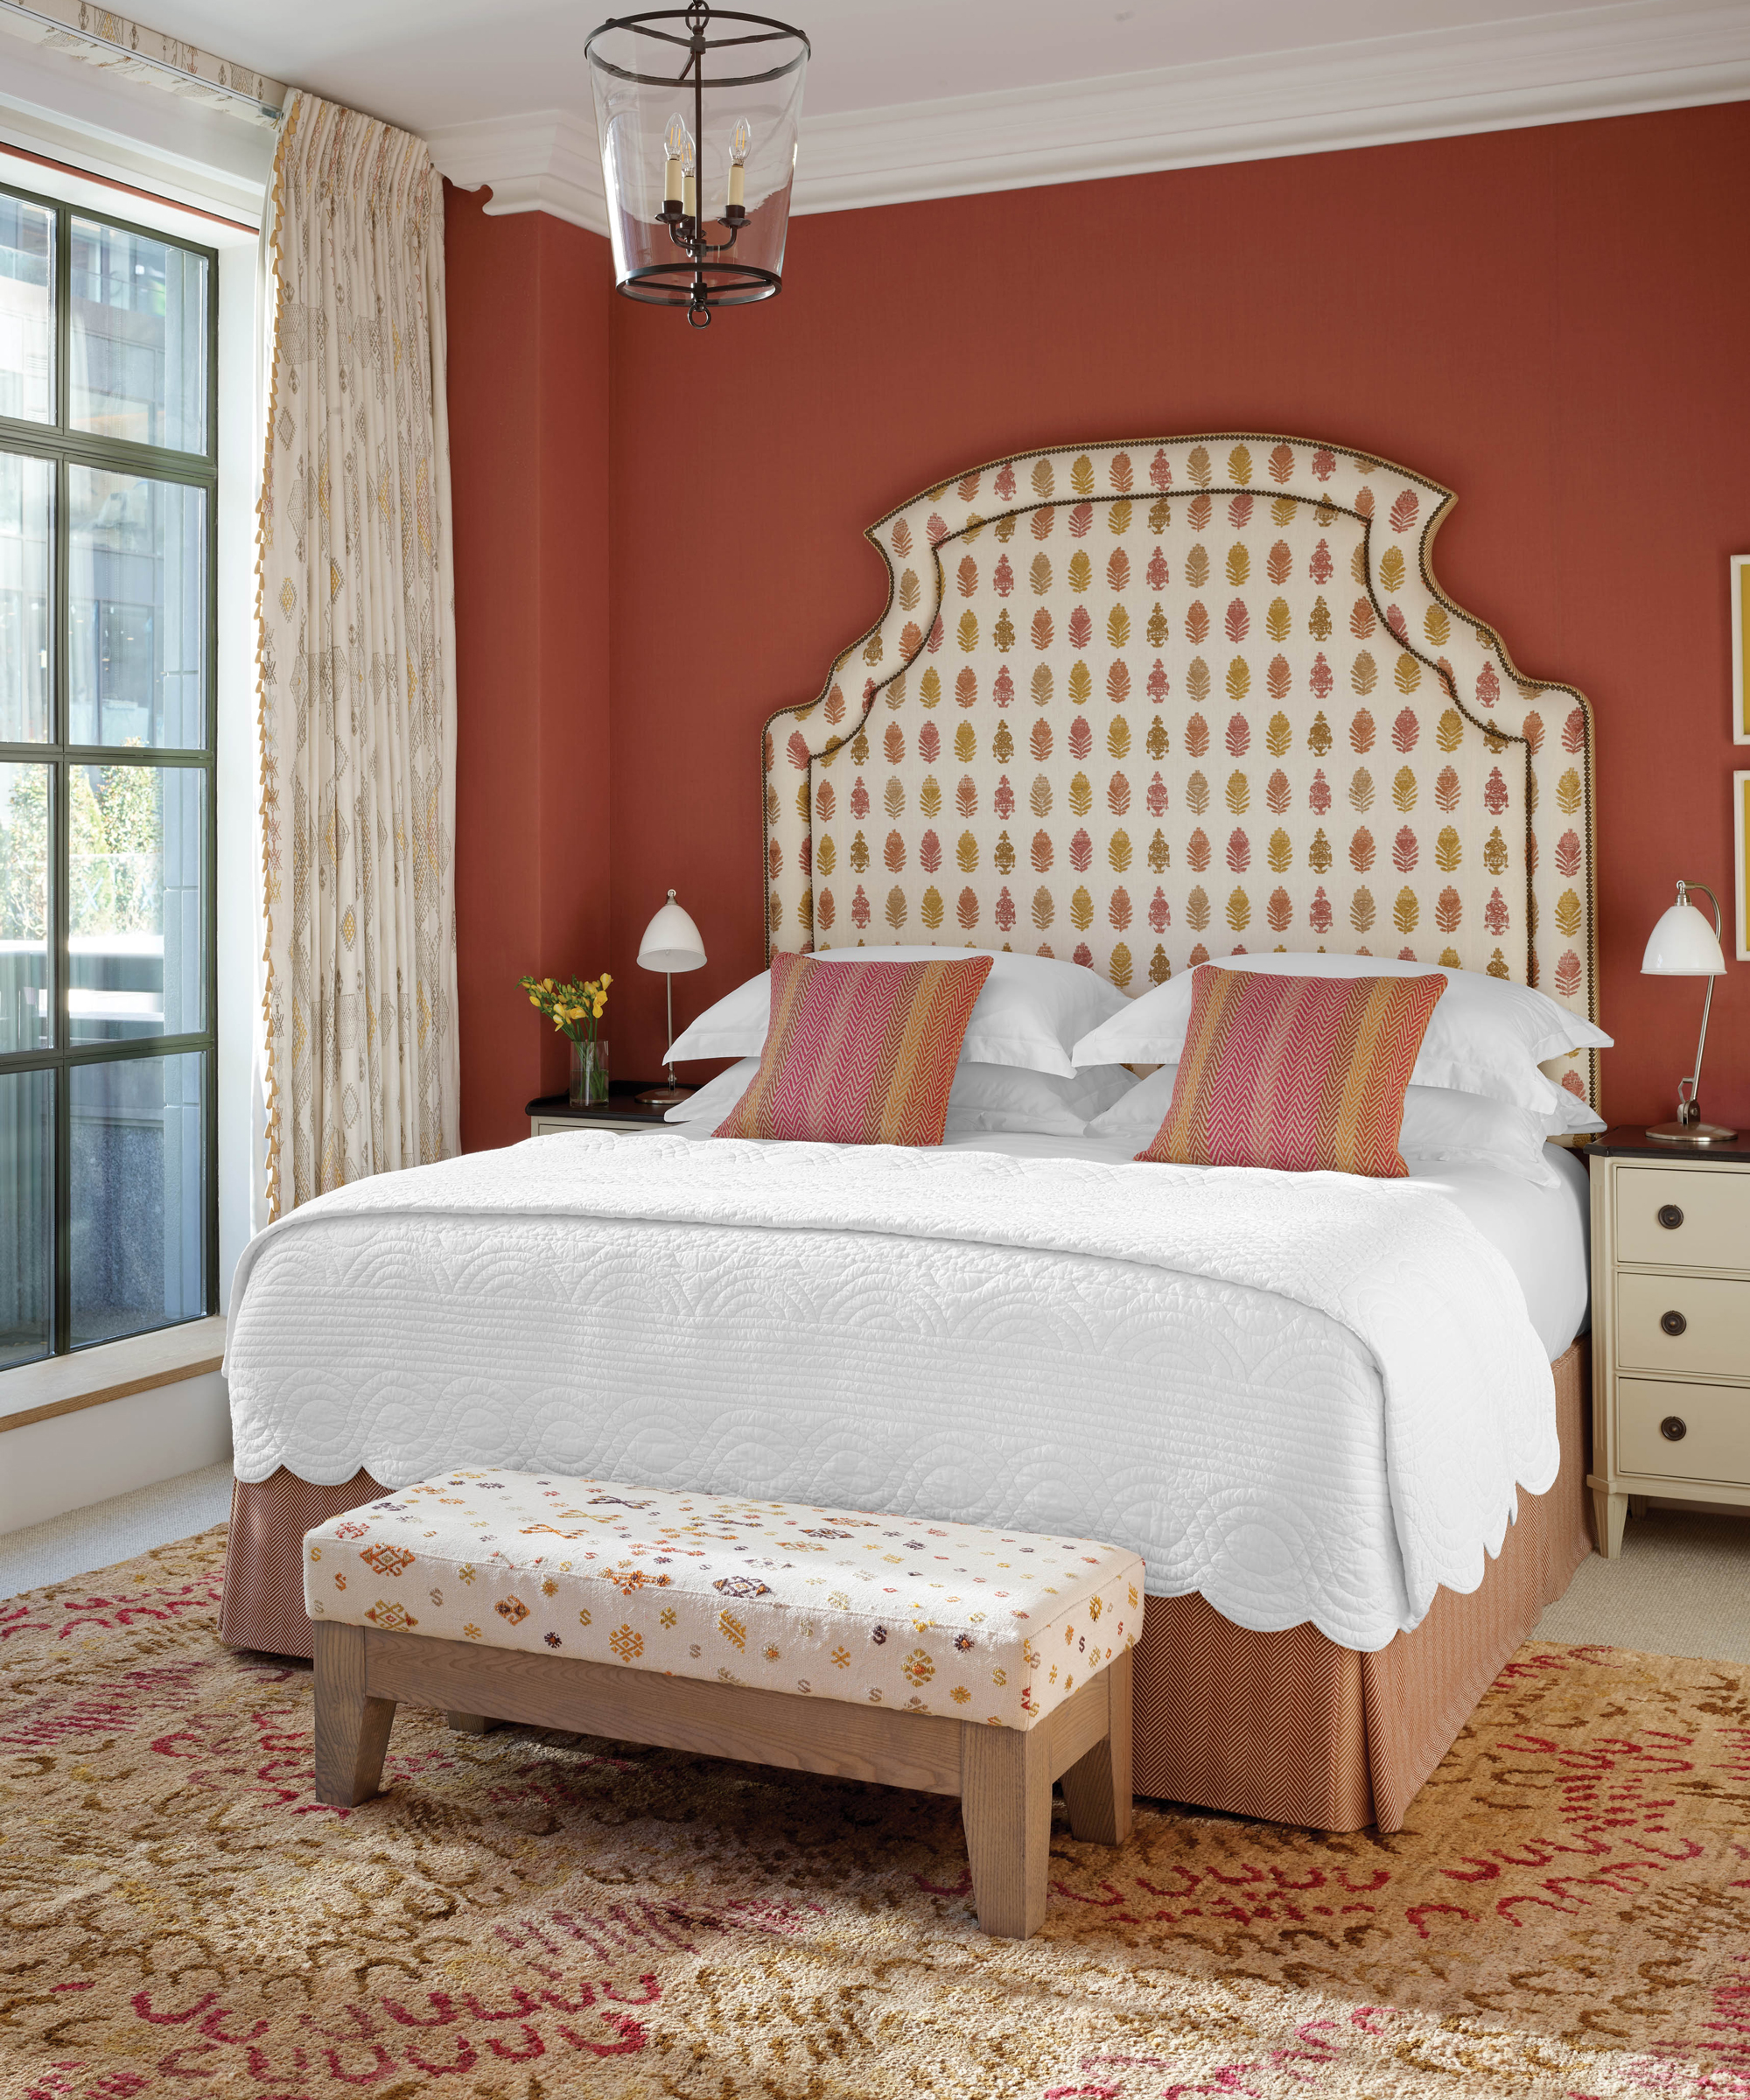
(697, 113)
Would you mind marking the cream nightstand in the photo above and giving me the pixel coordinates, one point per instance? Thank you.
(1670, 1325)
(622, 1110)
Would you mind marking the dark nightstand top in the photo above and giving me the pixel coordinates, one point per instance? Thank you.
(1630, 1141)
(622, 1105)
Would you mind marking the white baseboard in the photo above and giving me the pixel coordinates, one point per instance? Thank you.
(48, 1469)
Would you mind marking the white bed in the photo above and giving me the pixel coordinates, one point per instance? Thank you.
(1132, 708)
(881, 1329)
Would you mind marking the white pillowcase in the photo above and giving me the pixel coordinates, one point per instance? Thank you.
(1488, 1036)
(1032, 1010)
(984, 1097)
(717, 1096)
(1570, 1114)
(1008, 1098)
(1440, 1128)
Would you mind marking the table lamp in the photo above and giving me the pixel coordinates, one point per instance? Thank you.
(671, 943)
(1684, 945)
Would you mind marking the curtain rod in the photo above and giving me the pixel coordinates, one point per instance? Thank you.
(260, 103)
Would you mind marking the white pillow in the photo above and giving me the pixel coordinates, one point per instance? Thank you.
(1440, 1128)
(1488, 1036)
(1570, 1114)
(984, 1097)
(1008, 1097)
(717, 1096)
(1032, 1010)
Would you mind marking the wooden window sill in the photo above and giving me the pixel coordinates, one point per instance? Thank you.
(62, 1385)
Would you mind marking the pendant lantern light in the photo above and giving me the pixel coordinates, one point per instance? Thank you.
(698, 112)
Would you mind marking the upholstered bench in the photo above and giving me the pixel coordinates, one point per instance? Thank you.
(949, 1657)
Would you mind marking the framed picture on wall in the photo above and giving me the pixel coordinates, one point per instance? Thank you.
(1740, 825)
(1740, 641)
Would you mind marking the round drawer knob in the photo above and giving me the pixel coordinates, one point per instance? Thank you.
(1670, 1216)
(1673, 1323)
(1674, 1429)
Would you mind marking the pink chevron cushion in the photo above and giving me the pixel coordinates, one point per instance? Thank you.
(1301, 1073)
(859, 1052)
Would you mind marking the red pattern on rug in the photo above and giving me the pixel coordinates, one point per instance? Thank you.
(1566, 1914)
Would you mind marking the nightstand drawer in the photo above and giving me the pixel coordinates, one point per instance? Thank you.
(1692, 1217)
(567, 1127)
(1689, 1432)
(1683, 1323)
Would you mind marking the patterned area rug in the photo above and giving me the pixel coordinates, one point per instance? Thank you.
(524, 1915)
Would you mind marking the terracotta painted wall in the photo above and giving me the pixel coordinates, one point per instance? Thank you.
(1550, 321)
(530, 301)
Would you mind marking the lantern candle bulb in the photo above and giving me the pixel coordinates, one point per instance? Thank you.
(740, 139)
(690, 182)
(672, 139)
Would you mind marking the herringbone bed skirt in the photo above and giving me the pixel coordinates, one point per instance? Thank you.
(1287, 1727)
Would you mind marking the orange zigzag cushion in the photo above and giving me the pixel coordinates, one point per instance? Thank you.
(1301, 1073)
(859, 1052)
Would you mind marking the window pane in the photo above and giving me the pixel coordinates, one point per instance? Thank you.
(26, 541)
(26, 311)
(138, 1218)
(26, 994)
(135, 959)
(138, 354)
(136, 648)
(26, 1215)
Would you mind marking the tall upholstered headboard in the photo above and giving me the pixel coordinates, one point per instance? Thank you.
(1147, 704)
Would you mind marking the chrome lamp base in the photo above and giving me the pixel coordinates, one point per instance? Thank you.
(667, 1096)
(1691, 1133)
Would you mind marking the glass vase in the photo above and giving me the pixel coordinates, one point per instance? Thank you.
(589, 1073)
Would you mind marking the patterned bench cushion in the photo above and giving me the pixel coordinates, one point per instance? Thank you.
(949, 1619)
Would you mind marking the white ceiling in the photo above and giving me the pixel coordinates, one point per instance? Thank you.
(429, 64)
(905, 99)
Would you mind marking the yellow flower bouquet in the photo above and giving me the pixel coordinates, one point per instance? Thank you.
(575, 1009)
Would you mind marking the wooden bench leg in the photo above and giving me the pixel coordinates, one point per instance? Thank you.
(352, 1728)
(469, 1724)
(1006, 1805)
(1096, 1787)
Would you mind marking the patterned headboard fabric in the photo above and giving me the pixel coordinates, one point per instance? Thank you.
(1147, 704)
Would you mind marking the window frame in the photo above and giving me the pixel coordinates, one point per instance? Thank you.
(66, 449)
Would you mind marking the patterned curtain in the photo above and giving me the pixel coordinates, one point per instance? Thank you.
(358, 654)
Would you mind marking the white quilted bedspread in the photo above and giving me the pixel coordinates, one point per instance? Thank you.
(1310, 1396)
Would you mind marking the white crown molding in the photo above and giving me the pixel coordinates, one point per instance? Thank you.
(547, 161)
(1607, 61)
(1592, 62)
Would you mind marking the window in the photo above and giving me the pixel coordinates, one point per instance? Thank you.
(108, 487)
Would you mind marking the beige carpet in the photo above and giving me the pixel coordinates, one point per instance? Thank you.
(1680, 1586)
(1567, 1914)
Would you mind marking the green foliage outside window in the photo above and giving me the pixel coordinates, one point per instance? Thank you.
(117, 833)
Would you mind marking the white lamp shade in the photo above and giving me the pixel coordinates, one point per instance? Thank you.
(1682, 945)
(671, 942)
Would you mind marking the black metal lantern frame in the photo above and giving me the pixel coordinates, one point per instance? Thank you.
(705, 271)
